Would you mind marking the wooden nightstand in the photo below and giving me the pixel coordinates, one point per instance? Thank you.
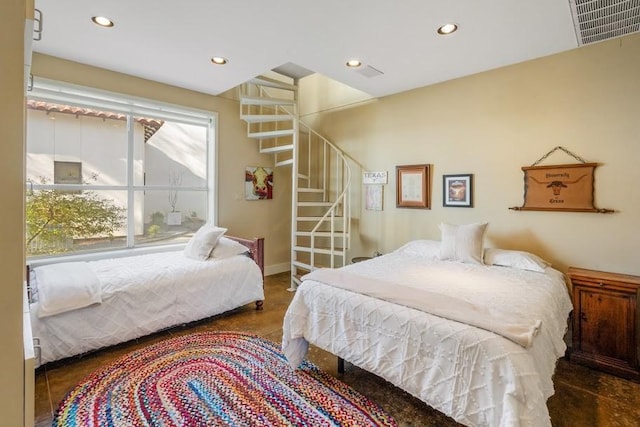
(606, 334)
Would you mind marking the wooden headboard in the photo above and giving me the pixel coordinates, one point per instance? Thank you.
(256, 247)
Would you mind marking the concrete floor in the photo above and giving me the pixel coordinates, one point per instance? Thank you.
(584, 397)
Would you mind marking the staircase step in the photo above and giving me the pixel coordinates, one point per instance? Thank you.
(326, 251)
(278, 149)
(264, 118)
(284, 162)
(271, 134)
(306, 266)
(321, 234)
(301, 265)
(311, 204)
(316, 218)
(310, 190)
(249, 100)
(269, 82)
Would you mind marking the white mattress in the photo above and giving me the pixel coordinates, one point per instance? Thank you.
(473, 375)
(146, 293)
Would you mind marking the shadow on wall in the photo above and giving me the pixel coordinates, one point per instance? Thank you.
(525, 240)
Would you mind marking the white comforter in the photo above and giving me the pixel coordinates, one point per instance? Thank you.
(146, 293)
(475, 376)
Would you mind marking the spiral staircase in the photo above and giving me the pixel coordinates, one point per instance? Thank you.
(320, 171)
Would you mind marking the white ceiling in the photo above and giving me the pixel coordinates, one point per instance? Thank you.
(172, 41)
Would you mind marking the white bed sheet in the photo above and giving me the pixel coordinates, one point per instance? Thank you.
(473, 375)
(144, 294)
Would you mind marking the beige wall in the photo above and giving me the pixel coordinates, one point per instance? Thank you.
(265, 218)
(492, 124)
(11, 218)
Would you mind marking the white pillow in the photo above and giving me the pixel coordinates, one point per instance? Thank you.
(462, 243)
(203, 241)
(227, 248)
(420, 248)
(515, 259)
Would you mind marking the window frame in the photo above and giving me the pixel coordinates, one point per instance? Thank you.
(64, 93)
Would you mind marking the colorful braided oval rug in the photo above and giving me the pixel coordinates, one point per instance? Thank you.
(214, 379)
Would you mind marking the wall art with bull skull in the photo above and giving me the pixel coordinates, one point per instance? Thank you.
(567, 187)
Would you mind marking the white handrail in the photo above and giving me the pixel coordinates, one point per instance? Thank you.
(344, 194)
(342, 198)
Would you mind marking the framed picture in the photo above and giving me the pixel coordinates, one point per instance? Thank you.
(413, 189)
(373, 197)
(258, 183)
(457, 191)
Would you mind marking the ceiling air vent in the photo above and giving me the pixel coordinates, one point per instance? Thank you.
(598, 20)
(369, 71)
(292, 70)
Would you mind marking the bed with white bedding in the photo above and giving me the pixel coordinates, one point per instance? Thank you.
(83, 306)
(486, 359)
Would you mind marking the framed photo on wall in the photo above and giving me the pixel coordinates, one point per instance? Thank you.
(457, 191)
(413, 189)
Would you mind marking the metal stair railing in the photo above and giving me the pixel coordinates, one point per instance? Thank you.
(343, 173)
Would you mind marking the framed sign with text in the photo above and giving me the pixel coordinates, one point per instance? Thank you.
(567, 187)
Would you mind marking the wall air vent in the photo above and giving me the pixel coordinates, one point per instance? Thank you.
(369, 71)
(598, 20)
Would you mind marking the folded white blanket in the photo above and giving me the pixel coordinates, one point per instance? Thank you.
(66, 286)
(492, 318)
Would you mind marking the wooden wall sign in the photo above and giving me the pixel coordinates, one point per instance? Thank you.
(561, 187)
(568, 187)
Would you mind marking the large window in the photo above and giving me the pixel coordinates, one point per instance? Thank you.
(108, 172)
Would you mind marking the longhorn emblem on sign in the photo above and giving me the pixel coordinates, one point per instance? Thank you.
(556, 185)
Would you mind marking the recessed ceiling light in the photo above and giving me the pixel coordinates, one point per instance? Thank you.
(354, 63)
(219, 60)
(447, 29)
(102, 21)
